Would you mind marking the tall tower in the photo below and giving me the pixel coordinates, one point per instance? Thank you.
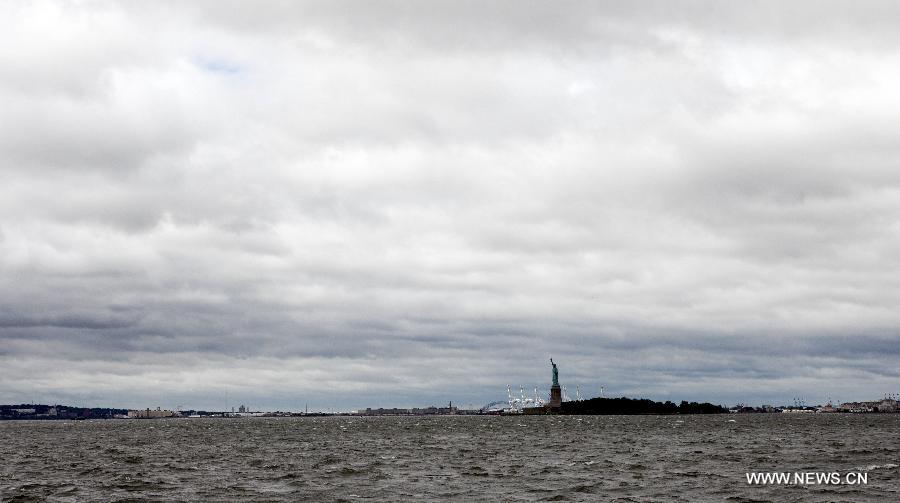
(555, 390)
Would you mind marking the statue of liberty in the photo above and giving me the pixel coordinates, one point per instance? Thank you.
(555, 373)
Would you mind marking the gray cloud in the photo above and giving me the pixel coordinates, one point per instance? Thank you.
(403, 203)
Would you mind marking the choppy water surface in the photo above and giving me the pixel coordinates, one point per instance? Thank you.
(562, 458)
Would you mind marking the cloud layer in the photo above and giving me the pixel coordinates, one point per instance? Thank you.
(402, 203)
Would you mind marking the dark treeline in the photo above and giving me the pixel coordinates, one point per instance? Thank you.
(625, 406)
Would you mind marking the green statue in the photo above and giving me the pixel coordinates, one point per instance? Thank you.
(555, 373)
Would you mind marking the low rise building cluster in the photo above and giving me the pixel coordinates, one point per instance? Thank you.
(885, 405)
(152, 414)
(45, 412)
(425, 411)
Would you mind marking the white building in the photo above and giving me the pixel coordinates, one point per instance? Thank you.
(150, 414)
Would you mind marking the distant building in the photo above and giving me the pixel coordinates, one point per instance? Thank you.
(859, 406)
(828, 408)
(425, 411)
(386, 412)
(150, 414)
(888, 405)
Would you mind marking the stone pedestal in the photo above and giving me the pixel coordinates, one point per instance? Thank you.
(555, 397)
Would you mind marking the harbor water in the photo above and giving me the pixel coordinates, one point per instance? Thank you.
(456, 458)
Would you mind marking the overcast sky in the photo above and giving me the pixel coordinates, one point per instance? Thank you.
(354, 204)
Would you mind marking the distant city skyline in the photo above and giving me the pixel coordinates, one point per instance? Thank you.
(516, 403)
(362, 204)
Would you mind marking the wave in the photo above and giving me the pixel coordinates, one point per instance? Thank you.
(869, 468)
